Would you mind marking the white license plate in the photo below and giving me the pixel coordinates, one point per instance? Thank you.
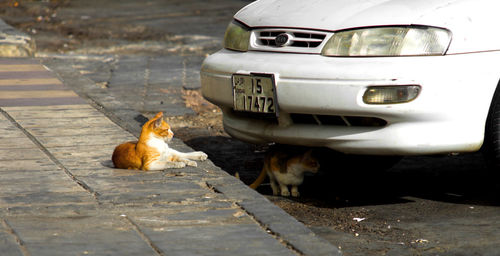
(254, 93)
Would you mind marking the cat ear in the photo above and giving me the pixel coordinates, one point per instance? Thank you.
(158, 115)
(307, 154)
(158, 122)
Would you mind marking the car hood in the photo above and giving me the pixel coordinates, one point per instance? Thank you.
(468, 20)
(334, 15)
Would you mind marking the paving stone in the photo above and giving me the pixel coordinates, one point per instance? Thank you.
(208, 202)
(5, 123)
(43, 198)
(80, 131)
(147, 193)
(79, 235)
(27, 164)
(240, 240)
(13, 155)
(56, 181)
(12, 132)
(82, 140)
(8, 245)
(92, 152)
(51, 112)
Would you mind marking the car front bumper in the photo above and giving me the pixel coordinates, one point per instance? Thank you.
(449, 115)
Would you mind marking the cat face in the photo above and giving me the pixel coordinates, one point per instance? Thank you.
(160, 128)
(310, 163)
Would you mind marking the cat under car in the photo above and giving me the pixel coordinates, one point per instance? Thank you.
(286, 166)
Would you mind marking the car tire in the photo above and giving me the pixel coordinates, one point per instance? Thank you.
(491, 145)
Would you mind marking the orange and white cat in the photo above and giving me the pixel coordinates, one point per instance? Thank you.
(151, 151)
(286, 169)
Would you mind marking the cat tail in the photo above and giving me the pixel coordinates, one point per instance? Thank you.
(259, 179)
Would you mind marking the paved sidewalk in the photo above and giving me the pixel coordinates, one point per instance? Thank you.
(59, 195)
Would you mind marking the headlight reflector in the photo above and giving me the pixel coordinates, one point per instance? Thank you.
(390, 94)
(237, 37)
(389, 41)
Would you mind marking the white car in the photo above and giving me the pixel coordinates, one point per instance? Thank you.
(376, 77)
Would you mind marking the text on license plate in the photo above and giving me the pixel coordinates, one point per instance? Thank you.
(254, 93)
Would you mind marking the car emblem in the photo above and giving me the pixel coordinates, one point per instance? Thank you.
(281, 39)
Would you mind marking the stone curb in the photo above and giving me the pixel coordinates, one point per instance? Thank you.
(273, 218)
(14, 43)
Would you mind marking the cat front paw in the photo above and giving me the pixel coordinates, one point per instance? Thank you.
(177, 165)
(295, 193)
(201, 155)
(191, 163)
(285, 192)
(204, 157)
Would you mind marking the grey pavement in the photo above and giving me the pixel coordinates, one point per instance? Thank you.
(151, 83)
(59, 194)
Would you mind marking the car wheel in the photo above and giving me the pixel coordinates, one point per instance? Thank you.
(491, 145)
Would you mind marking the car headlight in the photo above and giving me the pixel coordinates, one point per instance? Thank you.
(237, 37)
(388, 41)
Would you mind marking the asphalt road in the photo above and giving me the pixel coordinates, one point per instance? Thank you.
(143, 57)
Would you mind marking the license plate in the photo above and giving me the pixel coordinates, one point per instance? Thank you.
(254, 93)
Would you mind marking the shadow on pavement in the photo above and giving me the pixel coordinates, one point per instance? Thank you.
(346, 181)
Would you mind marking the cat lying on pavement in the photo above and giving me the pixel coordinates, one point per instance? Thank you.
(151, 151)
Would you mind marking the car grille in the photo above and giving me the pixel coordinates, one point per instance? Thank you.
(268, 117)
(356, 121)
(299, 40)
(338, 120)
